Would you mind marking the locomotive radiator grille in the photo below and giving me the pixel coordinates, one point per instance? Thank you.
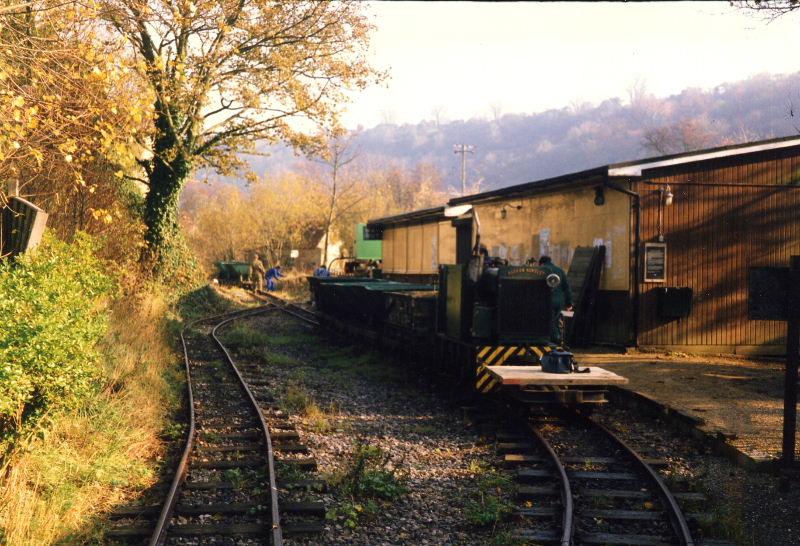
(523, 309)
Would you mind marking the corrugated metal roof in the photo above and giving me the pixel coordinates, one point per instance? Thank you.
(434, 213)
(591, 176)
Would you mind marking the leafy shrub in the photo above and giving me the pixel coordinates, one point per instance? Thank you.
(367, 477)
(51, 304)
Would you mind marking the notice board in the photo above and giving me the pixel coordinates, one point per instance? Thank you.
(655, 262)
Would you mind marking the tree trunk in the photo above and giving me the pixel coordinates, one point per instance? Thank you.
(166, 178)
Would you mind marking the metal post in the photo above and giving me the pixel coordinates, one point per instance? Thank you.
(792, 361)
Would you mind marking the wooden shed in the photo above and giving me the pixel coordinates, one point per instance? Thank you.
(680, 232)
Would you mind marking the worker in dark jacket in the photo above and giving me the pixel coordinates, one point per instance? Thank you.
(257, 273)
(561, 296)
(273, 274)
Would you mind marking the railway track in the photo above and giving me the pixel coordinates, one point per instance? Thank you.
(308, 317)
(580, 484)
(225, 488)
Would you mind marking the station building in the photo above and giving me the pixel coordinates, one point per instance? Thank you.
(680, 233)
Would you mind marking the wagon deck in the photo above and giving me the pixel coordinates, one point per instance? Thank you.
(533, 375)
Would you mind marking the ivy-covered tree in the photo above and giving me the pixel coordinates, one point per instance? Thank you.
(227, 73)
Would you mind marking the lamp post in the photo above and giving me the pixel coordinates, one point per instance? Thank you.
(463, 149)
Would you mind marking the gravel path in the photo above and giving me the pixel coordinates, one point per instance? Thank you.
(742, 398)
(366, 400)
(746, 507)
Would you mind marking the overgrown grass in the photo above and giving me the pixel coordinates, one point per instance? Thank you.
(356, 362)
(80, 463)
(243, 338)
(297, 400)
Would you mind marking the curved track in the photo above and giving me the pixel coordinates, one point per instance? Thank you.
(607, 493)
(224, 485)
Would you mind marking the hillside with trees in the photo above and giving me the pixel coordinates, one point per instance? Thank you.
(516, 148)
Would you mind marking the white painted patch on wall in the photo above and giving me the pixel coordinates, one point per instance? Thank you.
(544, 242)
(598, 241)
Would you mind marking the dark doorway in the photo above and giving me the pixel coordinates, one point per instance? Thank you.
(463, 240)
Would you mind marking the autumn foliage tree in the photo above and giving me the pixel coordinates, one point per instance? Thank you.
(70, 113)
(224, 74)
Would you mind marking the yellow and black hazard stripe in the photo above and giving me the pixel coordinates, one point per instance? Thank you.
(497, 355)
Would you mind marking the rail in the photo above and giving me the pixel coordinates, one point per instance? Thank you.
(676, 517)
(290, 308)
(566, 491)
(159, 534)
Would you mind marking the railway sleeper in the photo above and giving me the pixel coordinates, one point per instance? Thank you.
(228, 449)
(624, 515)
(303, 463)
(223, 436)
(515, 459)
(538, 536)
(539, 511)
(223, 529)
(283, 435)
(291, 448)
(514, 447)
(535, 491)
(606, 539)
(224, 465)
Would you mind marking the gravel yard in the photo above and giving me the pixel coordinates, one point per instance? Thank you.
(342, 397)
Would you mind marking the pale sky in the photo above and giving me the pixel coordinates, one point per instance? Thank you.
(528, 57)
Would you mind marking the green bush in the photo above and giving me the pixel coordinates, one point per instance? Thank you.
(51, 305)
(366, 478)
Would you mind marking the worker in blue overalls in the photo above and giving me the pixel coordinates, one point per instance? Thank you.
(272, 274)
(561, 297)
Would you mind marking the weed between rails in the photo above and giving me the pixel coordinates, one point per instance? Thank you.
(490, 503)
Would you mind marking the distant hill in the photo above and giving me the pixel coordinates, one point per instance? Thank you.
(517, 148)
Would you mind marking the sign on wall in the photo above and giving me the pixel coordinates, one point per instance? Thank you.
(655, 262)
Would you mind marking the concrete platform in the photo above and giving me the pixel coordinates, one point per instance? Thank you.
(533, 375)
(735, 404)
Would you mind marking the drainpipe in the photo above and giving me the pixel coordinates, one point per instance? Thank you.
(636, 252)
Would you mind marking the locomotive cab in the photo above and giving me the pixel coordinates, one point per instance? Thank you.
(503, 305)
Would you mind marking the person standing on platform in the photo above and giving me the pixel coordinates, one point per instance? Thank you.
(257, 274)
(273, 274)
(561, 296)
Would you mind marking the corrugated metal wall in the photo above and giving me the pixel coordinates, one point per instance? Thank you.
(726, 216)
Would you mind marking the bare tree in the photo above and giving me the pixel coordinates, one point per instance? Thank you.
(497, 110)
(771, 9)
(338, 153)
(684, 136)
(438, 113)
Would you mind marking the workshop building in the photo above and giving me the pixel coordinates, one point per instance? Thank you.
(680, 233)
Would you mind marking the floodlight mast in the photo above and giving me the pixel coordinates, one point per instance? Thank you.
(463, 149)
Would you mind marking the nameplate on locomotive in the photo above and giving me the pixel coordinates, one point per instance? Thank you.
(526, 271)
